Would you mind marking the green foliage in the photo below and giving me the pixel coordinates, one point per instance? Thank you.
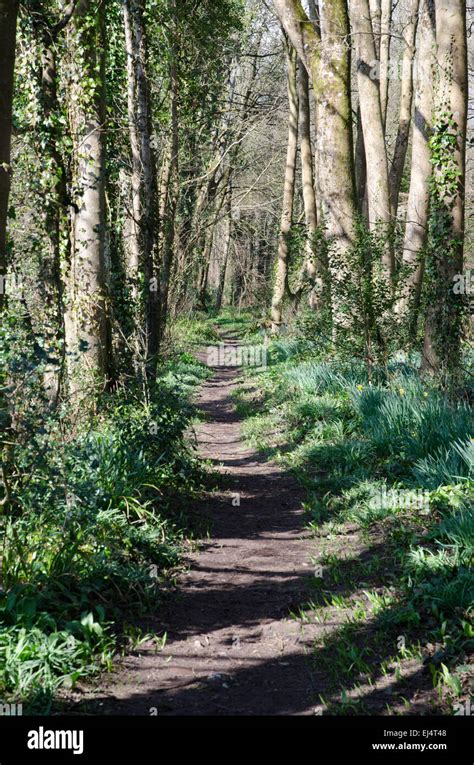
(94, 529)
(350, 440)
(445, 247)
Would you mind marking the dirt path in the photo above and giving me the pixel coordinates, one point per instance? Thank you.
(231, 648)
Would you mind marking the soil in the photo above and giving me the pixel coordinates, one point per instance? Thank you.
(237, 642)
(232, 645)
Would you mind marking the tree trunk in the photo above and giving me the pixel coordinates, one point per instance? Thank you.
(372, 124)
(309, 195)
(406, 103)
(327, 59)
(361, 169)
(444, 320)
(330, 68)
(281, 275)
(385, 44)
(421, 170)
(143, 229)
(169, 201)
(87, 335)
(225, 250)
(8, 19)
(55, 204)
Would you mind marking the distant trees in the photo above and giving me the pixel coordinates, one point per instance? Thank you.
(432, 91)
(119, 186)
(158, 173)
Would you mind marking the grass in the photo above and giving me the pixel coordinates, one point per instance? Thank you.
(393, 462)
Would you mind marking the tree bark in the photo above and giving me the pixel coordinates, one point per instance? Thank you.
(361, 169)
(307, 170)
(281, 275)
(169, 199)
(330, 68)
(8, 19)
(406, 102)
(372, 124)
(86, 320)
(327, 59)
(443, 328)
(416, 230)
(385, 45)
(225, 249)
(143, 223)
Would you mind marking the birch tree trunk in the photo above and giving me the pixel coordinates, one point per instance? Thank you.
(281, 274)
(443, 328)
(416, 229)
(86, 322)
(8, 19)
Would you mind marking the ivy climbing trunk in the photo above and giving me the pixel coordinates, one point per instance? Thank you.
(225, 249)
(444, 321)
(55, 201)
(8, 19)
(86, 320)
(169, 196)
(324, 48)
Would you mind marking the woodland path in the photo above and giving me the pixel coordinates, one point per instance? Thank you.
(232, 647)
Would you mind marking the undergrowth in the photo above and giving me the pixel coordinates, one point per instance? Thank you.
(393, 457)
(94, 531)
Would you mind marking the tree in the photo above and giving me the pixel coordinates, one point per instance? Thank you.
(86, 321)
(372, 125)
(307, 170)
(406, 104)
(8, 20)
(380, 11)
(56, 200)
(327, 59)
(444, 319)
(143, 230)
(416, 229)
(281, 275)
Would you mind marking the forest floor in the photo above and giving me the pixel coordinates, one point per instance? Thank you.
(239, 641)
(232, 647)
